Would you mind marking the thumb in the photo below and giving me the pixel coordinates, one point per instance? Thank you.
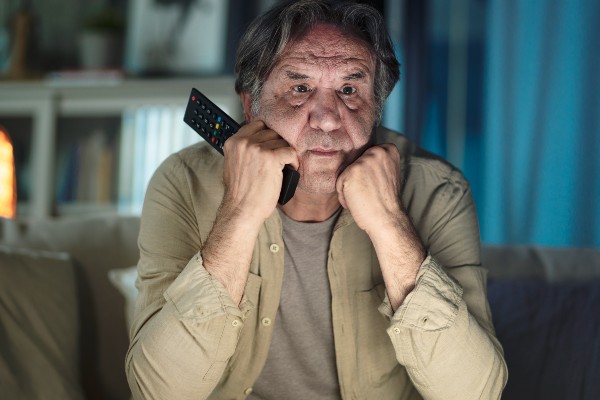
(339, 187)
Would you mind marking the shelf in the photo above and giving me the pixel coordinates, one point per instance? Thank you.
(64, 98)
(55, 112)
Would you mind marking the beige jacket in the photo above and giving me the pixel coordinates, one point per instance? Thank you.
(190, 341)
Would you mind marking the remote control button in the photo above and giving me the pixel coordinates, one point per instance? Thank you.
(196, 111)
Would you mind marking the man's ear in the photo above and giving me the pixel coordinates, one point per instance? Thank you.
(247, 104)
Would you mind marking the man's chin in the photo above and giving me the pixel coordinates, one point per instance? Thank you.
(320, 184)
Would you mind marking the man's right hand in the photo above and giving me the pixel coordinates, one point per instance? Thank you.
(254, 160)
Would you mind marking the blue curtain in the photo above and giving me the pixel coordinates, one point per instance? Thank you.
(541, 136)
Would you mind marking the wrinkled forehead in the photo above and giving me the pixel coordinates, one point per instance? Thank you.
(329, 46)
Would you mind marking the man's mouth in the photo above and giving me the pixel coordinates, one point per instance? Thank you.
(320, 152)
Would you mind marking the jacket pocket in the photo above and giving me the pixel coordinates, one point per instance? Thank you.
(375, 354)
(251, 292)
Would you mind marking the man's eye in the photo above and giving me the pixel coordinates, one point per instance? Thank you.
(348, 90)
(301, 88)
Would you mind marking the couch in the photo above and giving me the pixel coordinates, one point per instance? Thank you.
(66, 291)
(82, 251)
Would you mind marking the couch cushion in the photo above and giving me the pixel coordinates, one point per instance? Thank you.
(546, 263)
(96, 244)
(39, 326)
(549, 332)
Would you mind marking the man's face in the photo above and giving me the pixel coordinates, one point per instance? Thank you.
(319, 98)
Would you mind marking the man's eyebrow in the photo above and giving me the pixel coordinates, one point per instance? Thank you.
(355, 76)
(296, 75)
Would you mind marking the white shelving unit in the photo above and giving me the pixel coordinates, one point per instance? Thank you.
(47, 101)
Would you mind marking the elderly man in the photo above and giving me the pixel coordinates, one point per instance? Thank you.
(367, 284)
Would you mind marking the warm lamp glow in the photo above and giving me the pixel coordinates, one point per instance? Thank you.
(8, 184)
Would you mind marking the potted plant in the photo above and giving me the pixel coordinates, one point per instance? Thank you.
(101, 40)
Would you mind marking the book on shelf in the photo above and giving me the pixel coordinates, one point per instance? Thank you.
(102, 168)
(86, 169)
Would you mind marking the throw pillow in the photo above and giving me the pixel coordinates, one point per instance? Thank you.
(39, 326)
(124, 281)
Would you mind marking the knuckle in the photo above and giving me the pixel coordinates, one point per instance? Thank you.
(392, 150)
(242, 140)
(375, 152)
(227, 146)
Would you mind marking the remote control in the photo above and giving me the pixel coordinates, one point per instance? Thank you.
(215, 126)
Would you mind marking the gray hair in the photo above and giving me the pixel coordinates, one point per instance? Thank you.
(265, 39)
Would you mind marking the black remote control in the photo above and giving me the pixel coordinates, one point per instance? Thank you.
(214, 126)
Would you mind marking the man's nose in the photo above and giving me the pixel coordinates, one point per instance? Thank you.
(324, 113)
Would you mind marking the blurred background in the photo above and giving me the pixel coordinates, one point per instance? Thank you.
(92, 96)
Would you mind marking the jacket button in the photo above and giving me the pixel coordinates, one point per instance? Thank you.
(248, 391)
(274, 248)
(266, 321)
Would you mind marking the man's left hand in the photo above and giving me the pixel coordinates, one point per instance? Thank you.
(369, 187)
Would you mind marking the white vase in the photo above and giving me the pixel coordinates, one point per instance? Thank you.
(100, 50)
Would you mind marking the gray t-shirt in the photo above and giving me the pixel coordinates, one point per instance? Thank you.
(301, 360)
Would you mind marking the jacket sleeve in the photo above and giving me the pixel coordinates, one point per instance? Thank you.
(186, 326)
(443, 332)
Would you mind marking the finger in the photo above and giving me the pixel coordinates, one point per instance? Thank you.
(251, 128)
(287, 155)
(258, 129)
(342, 199)
(275, 143)
(339, 187)
(390, 151)
(247, 140)
(295, 163)
(266, 135)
